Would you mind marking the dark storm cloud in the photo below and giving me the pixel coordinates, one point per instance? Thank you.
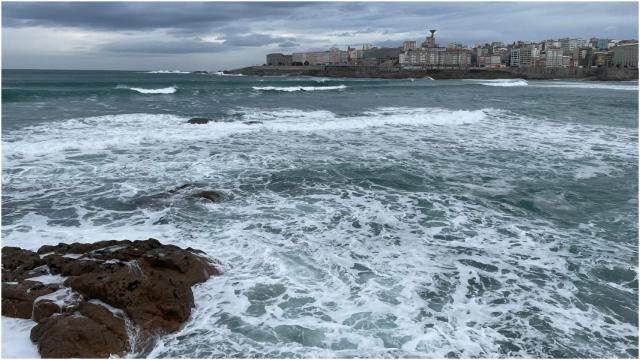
(118, 16)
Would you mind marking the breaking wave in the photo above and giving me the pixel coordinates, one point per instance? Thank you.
(167, 90)
(222, 73)
(298, 88)
(590, 85)
(167, 72)
(502, 82)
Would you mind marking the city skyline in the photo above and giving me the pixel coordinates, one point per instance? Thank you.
(192, 36)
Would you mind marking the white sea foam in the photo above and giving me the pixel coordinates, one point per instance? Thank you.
(16, 343)
(416, 267)
(167, 90)
(127, 129)
(298, 88)
(167, 72)
(49, 279)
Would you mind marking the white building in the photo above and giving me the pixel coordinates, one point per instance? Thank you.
(553, 58)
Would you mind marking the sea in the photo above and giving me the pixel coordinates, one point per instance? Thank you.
(361, 217)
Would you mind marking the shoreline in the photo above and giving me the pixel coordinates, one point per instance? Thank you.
(597, 74)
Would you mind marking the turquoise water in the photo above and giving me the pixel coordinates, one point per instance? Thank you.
(363, 217)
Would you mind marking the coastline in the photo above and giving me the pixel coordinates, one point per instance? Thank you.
(595, 74)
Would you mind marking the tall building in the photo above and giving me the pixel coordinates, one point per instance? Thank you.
(553, 58)
(602, 44)
(569, 45)
(430, 41)
(515, 58)
(523, 56)
(526, 56)
(625, 55)
(408, 45)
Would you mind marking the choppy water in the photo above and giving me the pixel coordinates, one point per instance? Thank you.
(364, 217)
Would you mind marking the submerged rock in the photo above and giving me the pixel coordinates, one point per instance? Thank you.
(210, 195)
(109, 289)
(198, 120)
(252, 122)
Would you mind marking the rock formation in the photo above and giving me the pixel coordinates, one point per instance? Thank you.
(108, 297)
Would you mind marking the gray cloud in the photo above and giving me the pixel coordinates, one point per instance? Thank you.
(164, 47)
(86, 32)
(253, 39)
(288, 44)
(118, 16)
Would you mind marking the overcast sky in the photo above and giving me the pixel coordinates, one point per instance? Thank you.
(216, 36)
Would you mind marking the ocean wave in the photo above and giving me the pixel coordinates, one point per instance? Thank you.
(167, 90)
(222, 73)
(298, 88)
(588, 85)
(502, 82)
(167, 72)
(411, 216)
(125, 129)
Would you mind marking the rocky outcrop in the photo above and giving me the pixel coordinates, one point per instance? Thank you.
(88, 299)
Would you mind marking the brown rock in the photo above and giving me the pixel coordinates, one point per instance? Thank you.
(77, 336)
(17, 299)
(104, 316)
(149, 282)
(154, 289)
(15, 258)
(44, 309)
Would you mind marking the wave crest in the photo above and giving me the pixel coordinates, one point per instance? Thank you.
(503, 82)
(167, 72)
(298, 88)
(167, 90)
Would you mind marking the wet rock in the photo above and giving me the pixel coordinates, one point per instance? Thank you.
(18, 262)
(198, 120)
(104, 316)
(66, 266)
(18, 298)
(42, 310)
(143, 283)
(212, 196)
(76, 336)
(181, 187)
(252, 122)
